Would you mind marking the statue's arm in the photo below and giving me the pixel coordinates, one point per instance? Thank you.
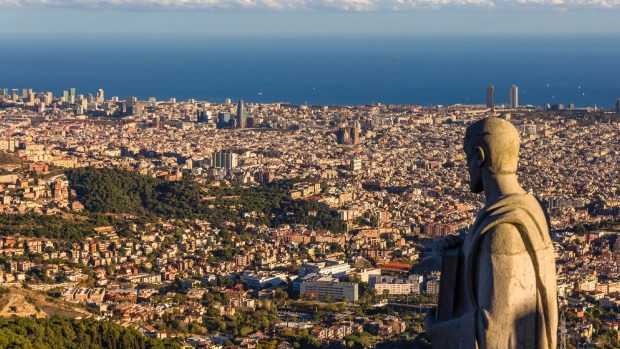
(506, 290)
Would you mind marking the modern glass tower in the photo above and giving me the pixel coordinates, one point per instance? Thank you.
(490, 93)
(514, 97)
(241, 116)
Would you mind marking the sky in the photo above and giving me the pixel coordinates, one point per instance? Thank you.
(308, 17)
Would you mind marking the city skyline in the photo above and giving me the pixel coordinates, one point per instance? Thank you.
(240, 119)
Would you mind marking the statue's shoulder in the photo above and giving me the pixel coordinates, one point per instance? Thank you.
(515, 220)
(513, 209)
(503, 239)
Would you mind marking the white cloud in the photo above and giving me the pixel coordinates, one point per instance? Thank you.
(570, 3)
(309, 5)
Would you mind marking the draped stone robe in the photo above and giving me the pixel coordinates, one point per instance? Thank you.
(505, 294)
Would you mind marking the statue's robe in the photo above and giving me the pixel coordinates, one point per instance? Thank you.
(505, 294)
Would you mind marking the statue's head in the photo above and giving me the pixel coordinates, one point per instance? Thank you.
(492, 145)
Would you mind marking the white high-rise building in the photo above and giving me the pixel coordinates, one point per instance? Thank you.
(514, 97)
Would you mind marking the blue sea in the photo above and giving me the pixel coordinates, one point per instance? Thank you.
(340, 70)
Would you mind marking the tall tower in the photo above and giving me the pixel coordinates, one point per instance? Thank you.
(72, 95)
(514, 97)
(357, 129)
(241, 117)
(490, 93)
(100, 96)
(130, 105)
(343, 135)
(618, 106)
(563, 332)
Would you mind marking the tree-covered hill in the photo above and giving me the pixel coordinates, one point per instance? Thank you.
(71, 227)
(121, 191)
(63, 333)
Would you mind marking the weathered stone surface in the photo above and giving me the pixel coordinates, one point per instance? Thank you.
(502, 291)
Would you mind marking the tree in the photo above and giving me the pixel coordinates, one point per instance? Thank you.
(302, 247)
(65, 333)
(245, 330)
(335, 247)
(386, 294)
(581, 230)
(374, 221)
(280, 296)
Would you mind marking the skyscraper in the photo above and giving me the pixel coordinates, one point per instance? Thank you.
(72, 95)
(130, 105)
(131, 101)
(223, 120)
(618, 106)
(490, 92)
(514, 97)
(241, 116)
(100, 96)
(227, 160)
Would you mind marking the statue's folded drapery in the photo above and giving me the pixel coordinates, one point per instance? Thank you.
(505, 295)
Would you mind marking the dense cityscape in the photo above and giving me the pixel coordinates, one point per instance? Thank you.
(242, 225)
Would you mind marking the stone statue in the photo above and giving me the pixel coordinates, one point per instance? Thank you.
(498, 283)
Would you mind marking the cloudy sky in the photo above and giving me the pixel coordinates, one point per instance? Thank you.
(290, 17)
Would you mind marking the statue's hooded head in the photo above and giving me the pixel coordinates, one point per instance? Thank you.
(491, 144)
